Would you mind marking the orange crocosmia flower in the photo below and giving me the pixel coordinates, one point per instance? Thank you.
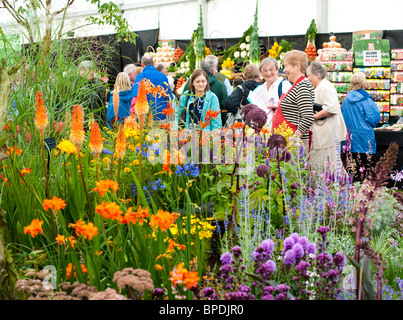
(72, 241)
(191, 279)
(172, 245)
(41, 117)
(163, 219)
(25, 171)
(211, 115)
(89, 231)
(11, 150)
(178, 274)
(168, 111)
(120, 146)
(237, 125)
(70, 268)
(109, 210)
(78, 226)
(166, 167)
(96, 139)
(103, 186)
(34, 228)
(60, 239)
(159, 267)
(135, 216)
(77, 127)
(54, 204)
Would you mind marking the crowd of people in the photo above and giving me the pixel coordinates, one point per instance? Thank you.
(299, 97)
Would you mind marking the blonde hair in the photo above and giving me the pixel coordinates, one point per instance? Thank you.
(123, 81)
(251, 72)
(139, 70)
(296, 56)
(358, 80)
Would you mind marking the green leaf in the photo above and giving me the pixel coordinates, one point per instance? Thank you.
(369, 290)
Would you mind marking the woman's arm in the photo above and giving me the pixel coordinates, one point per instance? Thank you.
(304, 100)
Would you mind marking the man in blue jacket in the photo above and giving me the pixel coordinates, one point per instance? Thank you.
(158, 103)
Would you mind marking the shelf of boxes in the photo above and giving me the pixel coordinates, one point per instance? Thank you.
(339, 65)
(379, 87)
(396, 90)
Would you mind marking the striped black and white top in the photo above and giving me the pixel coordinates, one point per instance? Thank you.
(297, 106)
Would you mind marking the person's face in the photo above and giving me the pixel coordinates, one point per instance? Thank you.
(291, 71)
(313, 79)
(132, 76)
(269, 73)
(200, 84)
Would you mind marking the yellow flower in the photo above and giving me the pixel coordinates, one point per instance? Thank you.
(136, 162)
(67, 146)
(106, 160)
(126, 169)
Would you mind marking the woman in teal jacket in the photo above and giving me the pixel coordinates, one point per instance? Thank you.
(195, 102)
(361, 115)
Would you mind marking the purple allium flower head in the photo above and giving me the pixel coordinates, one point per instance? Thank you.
(248, 107)
(311, 248)
(262, 170)
(236, 251)
(298, 250)
(276, 141)
(289, 257)
(288, 243)
(268, 246)
(256, 118)
(281, 296)
(303, 241)
(226, 258)
(282, 288)
(269, 289)
(285, 156)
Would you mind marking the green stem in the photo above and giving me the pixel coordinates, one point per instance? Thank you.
(44, 167)
(85, 187)
(140, 163)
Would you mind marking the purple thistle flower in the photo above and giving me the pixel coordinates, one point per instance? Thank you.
(271, 265)
(295, 236)
(226, 258)
(270, 289)
(323, 230)
(289, 257)
(302, 267)
(339, 259)
(288, 243)
(267, 296)
(268, 246)
(303, 241)
(298, 250)
(311, 248)
(281, 296)
(282, 288)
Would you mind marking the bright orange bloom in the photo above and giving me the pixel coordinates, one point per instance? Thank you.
(54, 204)
(77, 127)
(78, 226)
(211, 115)
(172, 245)
(89, 230)
(120, 146)
(103, 186)
(34, 228)
(191, 279)
(166, 167)
(116, 100)
(141, 108)
(41, 117)
(109, 210)
(165, 126)
(163, 219)
(60, 239)
(96, 139)
(72, 241)
(25, 171)
(130, 122)
(70, 268)
(237, 125)
(11, 150)
(168, 111)
(135, 216)
(159, 267)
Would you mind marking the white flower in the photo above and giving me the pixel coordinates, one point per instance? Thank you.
(247, 47)
(182, 64)
(236, 54)
(187, 64)
(243, 46)
(247, 38)
(187, 70)
(243, 54)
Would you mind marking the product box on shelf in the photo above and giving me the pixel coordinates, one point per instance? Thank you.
(374, 72)
(379, 84)
(396, 99)
(396, 111)
(379, 95)
(341, 76)
(396, 65)
(397, 76)
(396, 87)
(396, 54)
(339, 65)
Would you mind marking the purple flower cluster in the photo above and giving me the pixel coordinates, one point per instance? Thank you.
(243, 293)
(296, 248)
(209, 294)
(280, 292)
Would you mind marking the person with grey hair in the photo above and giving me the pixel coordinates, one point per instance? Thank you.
(268, 94)
(212, 59)
(328, 128)
(361, 115)
(130, 69)
(160, 102)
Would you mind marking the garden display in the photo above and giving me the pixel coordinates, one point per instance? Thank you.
(144, 210)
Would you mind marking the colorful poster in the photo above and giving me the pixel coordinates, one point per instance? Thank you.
(371, 53)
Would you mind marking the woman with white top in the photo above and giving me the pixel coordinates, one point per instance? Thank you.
(267, 95)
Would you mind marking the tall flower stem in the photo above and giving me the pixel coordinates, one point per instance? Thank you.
(140, 161)
(85, 187)
(45, 167)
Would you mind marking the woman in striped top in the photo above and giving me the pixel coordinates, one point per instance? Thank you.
(296, 106)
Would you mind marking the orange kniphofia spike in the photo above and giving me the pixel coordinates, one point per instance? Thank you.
(96, 139)
(77, 126)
